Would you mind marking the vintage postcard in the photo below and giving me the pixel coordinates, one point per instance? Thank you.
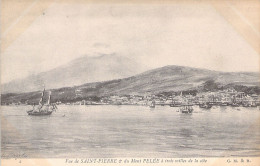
(145, 82)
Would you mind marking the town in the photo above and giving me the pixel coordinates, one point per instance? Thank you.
(228, 97)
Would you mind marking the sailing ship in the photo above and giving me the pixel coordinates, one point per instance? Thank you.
(186, 109)
(43, 109)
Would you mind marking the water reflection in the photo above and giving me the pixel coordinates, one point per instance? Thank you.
(132, 131)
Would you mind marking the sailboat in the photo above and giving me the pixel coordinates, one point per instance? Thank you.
(152, 104)
(186, 109)
(43, 109)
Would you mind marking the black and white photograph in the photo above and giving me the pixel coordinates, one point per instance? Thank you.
(130, 79)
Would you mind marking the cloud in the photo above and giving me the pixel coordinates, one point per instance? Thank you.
(154, 35)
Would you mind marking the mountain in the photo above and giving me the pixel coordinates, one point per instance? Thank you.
(168, 78)
(79, 71)
(165, 79)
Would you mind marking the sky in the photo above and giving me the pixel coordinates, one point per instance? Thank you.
(153, 35)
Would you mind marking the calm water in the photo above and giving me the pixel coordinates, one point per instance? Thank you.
(131, 131)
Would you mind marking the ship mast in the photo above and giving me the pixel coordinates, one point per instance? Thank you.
(49, 100)
(40, 102)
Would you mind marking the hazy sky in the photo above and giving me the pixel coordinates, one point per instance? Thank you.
(153, 35)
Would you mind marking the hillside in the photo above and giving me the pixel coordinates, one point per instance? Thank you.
(82, 70)
(165, 79)
(169, 78)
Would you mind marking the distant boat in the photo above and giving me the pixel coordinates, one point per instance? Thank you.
(43, 109)
(235, 105)
(205, 105)
(249, 105)
(152, 105)
(223, 104)
(186, 109)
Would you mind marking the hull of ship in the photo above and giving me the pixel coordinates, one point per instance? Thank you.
(205, 106)
(39, 113)
(186, 112)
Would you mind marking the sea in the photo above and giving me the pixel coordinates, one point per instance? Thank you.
(106, 131)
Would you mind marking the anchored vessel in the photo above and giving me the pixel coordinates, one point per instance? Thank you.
(205, 105)
(152, 104)
(186, 109)
(43, 109)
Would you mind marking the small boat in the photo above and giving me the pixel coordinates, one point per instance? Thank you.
(43, 109)
(249, 105)
(186, 109)
(235, 105)
(205, 105)
(39, 113)
(152, 105)
(223, 104)
(253, 105)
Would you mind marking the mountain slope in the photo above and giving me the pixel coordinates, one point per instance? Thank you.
(80, 71)
(169, 78)
(165, 79)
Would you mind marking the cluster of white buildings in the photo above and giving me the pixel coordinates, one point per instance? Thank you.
(224, 97)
